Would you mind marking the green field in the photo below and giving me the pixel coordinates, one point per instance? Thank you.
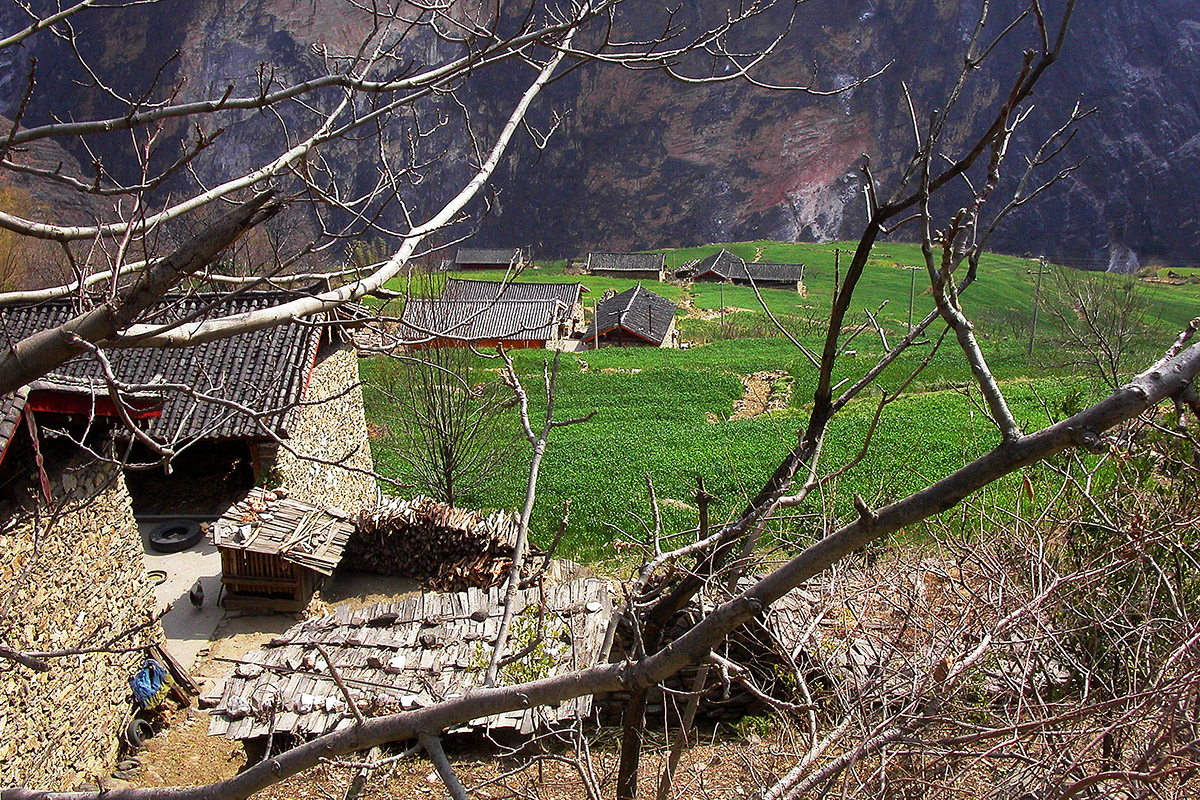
(655, 409)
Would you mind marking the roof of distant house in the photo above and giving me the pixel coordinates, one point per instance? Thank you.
(264, 370)
(638, 311)
(460, 289)
(730, 267)
(478, 255)
(474, 320)
(625, 262)
(720, 263)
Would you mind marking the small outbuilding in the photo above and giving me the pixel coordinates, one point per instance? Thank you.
(275, 551)
(640, 266)
(497, 258)
(636, 317)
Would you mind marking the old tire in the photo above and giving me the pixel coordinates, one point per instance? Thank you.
(175, 536)
(137, 732)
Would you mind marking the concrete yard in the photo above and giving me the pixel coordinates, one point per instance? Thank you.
(188, 629)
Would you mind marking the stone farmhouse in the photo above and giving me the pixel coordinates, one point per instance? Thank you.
(635, 317)
(639, 266)
(72, 573)
(490, 313)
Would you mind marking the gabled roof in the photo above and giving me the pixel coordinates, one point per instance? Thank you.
(477, 255)
(726, 265)
(265, 370)
(720, 263)
(625, 262)
(638, 311)
(460, 289)
(771, 272)
(473, 320)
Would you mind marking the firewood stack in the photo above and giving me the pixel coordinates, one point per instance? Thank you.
(448, 548)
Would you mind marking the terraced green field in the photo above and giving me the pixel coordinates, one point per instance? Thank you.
(666, 412)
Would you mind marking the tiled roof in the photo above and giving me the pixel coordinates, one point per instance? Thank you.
(473, 320)
(11, 406)
(720, 263)
(771, 272)
(501, 257)
(265, 370)
(625, 262)
(637, 310)
(459, 289)
(725, 264)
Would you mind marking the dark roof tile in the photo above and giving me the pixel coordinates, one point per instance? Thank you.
(264, 370)
(625, 262)
(637, 310)
(473, 320)
(460, 289)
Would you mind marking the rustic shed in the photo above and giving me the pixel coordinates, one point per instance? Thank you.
(274, 550)
(409, 654)
(641, 266)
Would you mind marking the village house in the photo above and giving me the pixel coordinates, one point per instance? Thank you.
(516, 324)
(469, 258)
(569, 294)
(240, 397)
(635, 317)
(638, 266)
(725, 267)
(74, 574)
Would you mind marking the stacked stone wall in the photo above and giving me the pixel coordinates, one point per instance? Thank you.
(332, 426)
(65, 583)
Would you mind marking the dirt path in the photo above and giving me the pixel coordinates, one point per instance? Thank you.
(763, 391)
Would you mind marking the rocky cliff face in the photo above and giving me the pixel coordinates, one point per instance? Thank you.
(641, 161)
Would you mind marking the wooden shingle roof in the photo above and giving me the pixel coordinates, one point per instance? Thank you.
(462, 289)
(475, 320)
(265, 370)
(638, 311)
(409, 654)
(626, 262)
(302, 534)
(501, 257)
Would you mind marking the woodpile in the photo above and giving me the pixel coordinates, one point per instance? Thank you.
(448, 548)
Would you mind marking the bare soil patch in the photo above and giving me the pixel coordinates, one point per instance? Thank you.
(763, 391)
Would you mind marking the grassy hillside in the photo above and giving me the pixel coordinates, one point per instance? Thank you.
(665, 412)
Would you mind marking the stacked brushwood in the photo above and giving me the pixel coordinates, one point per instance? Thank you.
(447, 548)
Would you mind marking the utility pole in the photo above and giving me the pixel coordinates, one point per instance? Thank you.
(1037, 296)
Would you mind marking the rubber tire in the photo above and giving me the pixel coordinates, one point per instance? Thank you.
(137, 732)
(175, 536)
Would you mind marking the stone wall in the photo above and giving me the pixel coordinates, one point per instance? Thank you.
(73, 583)
(331, 426)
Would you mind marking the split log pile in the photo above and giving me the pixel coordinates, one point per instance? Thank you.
(448, 548)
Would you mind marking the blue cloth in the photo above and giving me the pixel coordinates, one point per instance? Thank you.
(151, 684)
